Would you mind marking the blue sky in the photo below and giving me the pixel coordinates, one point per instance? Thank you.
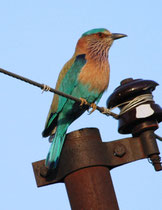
(36, 39)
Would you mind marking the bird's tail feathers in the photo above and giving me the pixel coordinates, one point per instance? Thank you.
(51, 125)
(55, 150)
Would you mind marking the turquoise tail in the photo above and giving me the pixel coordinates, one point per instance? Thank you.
(55, 150)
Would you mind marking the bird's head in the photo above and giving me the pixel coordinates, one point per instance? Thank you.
(97, 42)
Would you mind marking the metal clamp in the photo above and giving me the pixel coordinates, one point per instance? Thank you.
(84, 148)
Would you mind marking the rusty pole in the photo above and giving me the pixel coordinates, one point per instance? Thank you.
(84, 168)
(92, 187)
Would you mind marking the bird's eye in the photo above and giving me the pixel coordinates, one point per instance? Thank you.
(100, 35)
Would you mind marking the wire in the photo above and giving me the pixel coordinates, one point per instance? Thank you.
(158, 137)
(126, 106)
(47, 88)
(135, 102)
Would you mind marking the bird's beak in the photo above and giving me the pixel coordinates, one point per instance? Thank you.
(117, 36)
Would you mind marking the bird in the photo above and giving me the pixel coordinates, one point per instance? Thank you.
(85, 76)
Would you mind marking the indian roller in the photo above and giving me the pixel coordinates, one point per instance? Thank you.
(85, 76)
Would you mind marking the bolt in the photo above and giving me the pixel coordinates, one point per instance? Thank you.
(119, 150)
(155, 160)
(44, 171)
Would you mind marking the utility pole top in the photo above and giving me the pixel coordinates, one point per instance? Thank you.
(86, 161)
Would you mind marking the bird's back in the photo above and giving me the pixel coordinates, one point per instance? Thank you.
(54, 105)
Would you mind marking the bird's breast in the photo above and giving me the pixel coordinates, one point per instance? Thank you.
(95, 75)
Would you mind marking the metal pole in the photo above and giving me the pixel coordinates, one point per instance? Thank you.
(91, 188)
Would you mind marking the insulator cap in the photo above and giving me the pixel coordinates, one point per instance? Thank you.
(133, 121)
(130, 88)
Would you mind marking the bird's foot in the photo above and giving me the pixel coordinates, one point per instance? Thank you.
(94, 107)
(83, 102)
(45, 88)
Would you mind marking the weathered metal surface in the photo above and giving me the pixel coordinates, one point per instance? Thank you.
(156, 162)
(149, 144)
(84, 148)
(91, 188)
(150, 148)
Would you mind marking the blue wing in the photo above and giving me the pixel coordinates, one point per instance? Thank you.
(67, 86)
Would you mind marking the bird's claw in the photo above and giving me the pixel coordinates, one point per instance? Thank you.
(94, 107)
(46, 88)
(83, 102)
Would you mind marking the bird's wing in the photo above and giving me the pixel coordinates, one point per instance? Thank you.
(66, 83)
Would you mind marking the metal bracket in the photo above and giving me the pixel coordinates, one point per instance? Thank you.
(84, 148)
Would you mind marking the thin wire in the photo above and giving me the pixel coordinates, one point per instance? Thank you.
(158, 137)
(128, 105)
(135, 102)
(47, 88)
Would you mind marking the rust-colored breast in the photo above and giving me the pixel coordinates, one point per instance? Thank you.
(95, 74)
